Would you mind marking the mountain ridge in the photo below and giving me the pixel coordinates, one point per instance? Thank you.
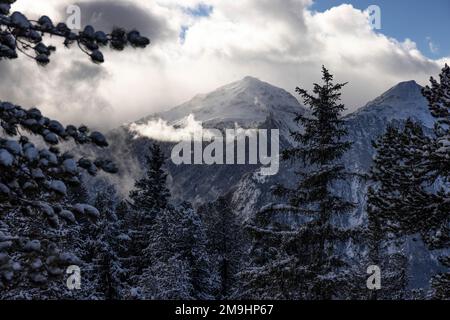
(229, 104)
(246, 190)
(275, 107)
(247, 102)
(402, 101)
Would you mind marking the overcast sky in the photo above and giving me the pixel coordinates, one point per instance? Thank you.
(200, 45)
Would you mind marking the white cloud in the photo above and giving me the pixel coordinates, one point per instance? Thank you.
(187, 130)
(279, 41)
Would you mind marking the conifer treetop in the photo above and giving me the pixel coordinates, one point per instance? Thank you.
(151, 191)
(320, 143)
(438, 96)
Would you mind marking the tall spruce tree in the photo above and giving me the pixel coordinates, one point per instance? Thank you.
(106, 270)
(396, 202)
(301, 263)
(167, 254)
(411, 195)
(147, 199)
(151, 191)
(180, 265)
(438, 235)
(226, 244)
(438, 97)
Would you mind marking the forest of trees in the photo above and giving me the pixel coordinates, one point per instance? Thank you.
(145, 246)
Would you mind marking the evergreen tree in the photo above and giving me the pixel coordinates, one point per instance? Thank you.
(120, 239)
(273, 272)
(151, 191)
(103, 272)
(147, 199)
(438, 97)
(78, 193)
(225, 243)
(438, 235)
(180, 268)
(397, 199)
(167, 254)
(412, 174)
(300, 262)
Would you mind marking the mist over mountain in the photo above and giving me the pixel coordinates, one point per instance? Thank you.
(251, 103)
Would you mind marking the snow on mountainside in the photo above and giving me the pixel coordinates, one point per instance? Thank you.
(251, 103)
(364, 126)
(248, 103)
(400, 102)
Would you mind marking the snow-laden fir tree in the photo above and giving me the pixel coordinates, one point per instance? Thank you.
(149, 196)
(102, 272)
(39, 227)
(438, 96)
(300, 262)
(78, 193)
(167, 254)
(226, 243)
(151, 191)
(181, 267)
(411, 194)
(396, 202)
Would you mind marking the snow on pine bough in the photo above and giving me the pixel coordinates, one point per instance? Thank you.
(34, 184)
(20, 34)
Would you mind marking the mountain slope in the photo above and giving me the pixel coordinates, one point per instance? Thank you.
(251, 103)
(399, 103)
(248, 102)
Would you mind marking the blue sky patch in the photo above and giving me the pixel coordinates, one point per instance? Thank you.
(201, 10)
(425, 22)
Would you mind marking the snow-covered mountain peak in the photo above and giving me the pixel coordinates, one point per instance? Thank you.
(247, 102)
(404, 100)
(407, 90)
(251, 80)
